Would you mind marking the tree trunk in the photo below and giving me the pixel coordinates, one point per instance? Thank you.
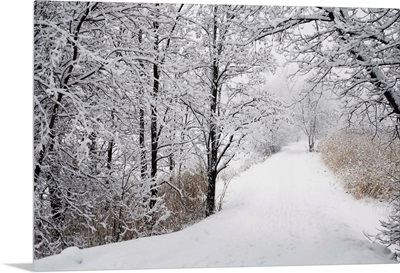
(212, 154)
(143, 161)
(311, 137)
(210, 201)
(310, 143)
(153, 126)
(110, 145)
(109, 154)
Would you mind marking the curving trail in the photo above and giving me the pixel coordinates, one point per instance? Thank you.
(288, 210)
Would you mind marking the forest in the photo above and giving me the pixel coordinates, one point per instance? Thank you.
(140, 108)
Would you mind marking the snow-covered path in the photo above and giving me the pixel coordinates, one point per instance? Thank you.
(288, 210)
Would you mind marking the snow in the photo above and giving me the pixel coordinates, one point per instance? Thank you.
(288, 210)
(72, 253)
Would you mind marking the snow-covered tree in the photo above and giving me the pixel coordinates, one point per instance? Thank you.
(133, 101)
(315, 115)
(226, 72)
(354, 50)
(64, 119)
(90, 74)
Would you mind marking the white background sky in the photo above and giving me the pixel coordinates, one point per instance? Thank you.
(16, 168)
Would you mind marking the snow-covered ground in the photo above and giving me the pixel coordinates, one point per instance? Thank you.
(288, 210)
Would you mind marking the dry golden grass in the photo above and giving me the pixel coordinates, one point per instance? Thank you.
(366, 165)
(188, 206)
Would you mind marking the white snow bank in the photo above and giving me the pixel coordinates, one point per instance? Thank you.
(288, 210)
(72, 253)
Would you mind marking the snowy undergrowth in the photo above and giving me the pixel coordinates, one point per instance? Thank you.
(368, 167)
(288, 210)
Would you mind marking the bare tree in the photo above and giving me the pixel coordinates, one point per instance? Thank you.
(354, 49)
(227, 101)
(315, 115)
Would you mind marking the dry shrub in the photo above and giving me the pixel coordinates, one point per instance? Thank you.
(185, 202)
(365, 164)
(125, 217)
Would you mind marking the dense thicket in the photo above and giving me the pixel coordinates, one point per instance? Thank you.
(137, 109)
